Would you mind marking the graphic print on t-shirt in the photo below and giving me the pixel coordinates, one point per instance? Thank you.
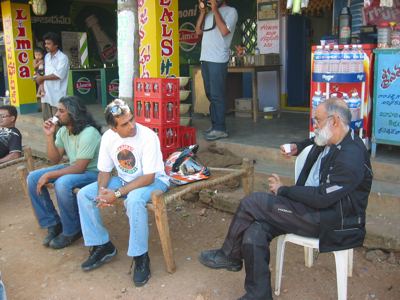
(126, 159)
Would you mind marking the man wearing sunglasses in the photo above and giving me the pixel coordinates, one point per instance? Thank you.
(134, 151)
(328, 202)
(10, 137)
(216, 28)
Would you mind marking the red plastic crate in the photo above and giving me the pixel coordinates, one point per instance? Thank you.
(151, 111)
(167, 152)
(168, 135)
(187, 136)
(159, 88)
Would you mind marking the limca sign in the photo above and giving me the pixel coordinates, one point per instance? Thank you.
(19, 55)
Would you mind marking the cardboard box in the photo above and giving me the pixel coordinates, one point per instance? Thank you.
(243, 107)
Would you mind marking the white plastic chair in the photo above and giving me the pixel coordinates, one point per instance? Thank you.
(343, 258)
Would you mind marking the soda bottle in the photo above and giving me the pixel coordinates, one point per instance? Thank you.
(170, 114)
(155, 111)
(334, 59)
(170, 137)
(325, 59)
(345, 26)
(147, 107)
(355, 107)
(360, 59)
(138, 108)
(105, 45)
(346, 60)
(318, 63)
(354, 59)
(147, 88)
(316, 100)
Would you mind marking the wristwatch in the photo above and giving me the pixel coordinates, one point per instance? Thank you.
(117, 193)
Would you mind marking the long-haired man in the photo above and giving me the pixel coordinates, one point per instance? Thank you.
(78, 137)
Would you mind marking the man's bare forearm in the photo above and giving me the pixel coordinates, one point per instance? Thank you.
(102, 179)
(10, 156)
(52, 151)
(199, 23)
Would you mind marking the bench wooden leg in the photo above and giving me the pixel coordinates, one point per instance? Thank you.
(248, 179)
(23, 174)
(29, 159)
(161, 217)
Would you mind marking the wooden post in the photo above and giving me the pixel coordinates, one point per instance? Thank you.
(23, 174)
(248, 178)
(29, 159)
(161, 217)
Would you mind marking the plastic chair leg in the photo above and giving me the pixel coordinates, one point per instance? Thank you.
(308, 257)
(280, 253)
(350, 263)
(341, 260)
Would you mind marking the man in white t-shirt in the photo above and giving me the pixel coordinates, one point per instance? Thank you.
(216, 28)
(134, 150)
(55, 78)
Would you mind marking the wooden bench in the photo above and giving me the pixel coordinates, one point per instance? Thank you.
(160, 200)
(28, 166)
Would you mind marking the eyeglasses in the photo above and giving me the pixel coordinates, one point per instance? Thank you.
(117, 110)
(319, 122)
(4, 116)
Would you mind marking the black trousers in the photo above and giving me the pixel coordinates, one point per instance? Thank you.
(259, 218)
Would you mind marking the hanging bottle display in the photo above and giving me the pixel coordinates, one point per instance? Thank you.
(345, 26)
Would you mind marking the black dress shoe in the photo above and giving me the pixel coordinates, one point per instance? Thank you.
(216, 259)
(141, 273)
(52, 232)
(62, 241)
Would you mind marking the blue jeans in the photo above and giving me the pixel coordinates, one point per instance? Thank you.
(66, 199)
(94, 232)
(214, 79)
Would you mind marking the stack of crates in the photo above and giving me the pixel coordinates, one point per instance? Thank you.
(156, 105)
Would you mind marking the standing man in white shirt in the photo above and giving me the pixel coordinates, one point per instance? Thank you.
(217, 28)
(55, 78)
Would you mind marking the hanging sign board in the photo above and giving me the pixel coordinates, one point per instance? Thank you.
(19, 54)
(159, 38)
(268, 26)
(268, 36)
(386, 112)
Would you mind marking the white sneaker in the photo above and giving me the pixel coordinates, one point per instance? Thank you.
(215, 135)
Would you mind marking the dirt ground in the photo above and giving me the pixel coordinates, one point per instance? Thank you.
(31, 271)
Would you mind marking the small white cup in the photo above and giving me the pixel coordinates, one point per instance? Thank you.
(54, 120)
(287, 148)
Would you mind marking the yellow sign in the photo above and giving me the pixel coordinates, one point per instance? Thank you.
(159, 38)
(19, 55)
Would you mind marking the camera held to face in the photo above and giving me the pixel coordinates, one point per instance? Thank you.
(204, 3)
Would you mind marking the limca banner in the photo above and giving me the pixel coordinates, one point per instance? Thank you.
(159, 38)
(19, 55)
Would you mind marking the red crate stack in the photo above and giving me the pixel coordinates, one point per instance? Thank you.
(187, 136)
(157, 101)
(156, 105)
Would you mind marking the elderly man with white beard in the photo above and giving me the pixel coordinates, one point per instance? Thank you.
(328, 202)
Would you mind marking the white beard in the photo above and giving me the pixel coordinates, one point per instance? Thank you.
(322, 136)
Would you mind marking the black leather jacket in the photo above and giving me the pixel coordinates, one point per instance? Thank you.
(342, 196)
